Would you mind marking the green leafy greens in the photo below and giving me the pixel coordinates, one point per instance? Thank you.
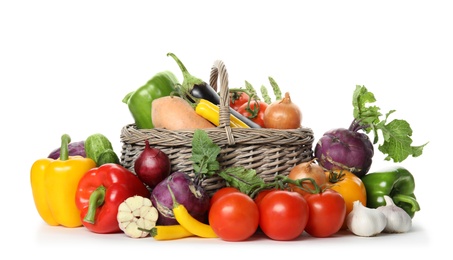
(205, 164)
(204, 154)
(397, 144)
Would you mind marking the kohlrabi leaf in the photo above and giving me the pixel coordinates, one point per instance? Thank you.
(367, 115)
(397, 143)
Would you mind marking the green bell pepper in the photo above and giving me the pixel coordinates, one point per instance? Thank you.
(397, 183)
(139, 101)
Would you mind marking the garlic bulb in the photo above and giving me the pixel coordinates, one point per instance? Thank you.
(398, 221)
(365, 222)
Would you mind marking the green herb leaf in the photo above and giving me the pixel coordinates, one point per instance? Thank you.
(251, 90)
(243, 179)
(276, 89)
(397, 144)
(265, 95)
(204, 158)
(204, 154)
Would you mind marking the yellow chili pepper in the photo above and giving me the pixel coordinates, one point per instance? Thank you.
(190, 223)
(54, 184)
(169, 232)
(211, 112)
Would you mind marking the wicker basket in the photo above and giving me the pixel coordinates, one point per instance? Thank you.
(268, 151)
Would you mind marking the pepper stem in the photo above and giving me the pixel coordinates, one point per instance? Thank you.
(97, 198)
(64, 150)
(406, 199)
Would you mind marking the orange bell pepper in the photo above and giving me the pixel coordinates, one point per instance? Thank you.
(54, 184)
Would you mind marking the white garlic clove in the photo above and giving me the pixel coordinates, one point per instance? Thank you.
(365, 222)
(398, 221)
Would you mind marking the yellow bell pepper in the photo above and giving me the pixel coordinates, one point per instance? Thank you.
(54, 184)
(210, 111)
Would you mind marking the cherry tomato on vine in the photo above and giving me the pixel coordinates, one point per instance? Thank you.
(237, 98)
(327, 212)
(222, 192)
(234, 217)
(283, 215)
(254, 110)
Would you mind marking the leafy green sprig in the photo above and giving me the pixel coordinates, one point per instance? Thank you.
(397, 143)
(205, 164)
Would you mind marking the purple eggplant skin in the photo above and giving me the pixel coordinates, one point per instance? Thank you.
(186, 192)
(342, 148)
(74, 148)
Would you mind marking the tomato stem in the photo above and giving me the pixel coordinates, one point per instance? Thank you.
(281, 183)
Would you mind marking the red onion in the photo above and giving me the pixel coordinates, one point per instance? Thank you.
(152, 165)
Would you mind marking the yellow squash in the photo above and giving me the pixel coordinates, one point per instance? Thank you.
(211, 112)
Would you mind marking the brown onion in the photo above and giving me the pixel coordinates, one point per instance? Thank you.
(308, 169)
(283, 114)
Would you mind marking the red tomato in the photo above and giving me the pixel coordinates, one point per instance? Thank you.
(259, 197)
(283, 215)
(327, 213)
(237, 98)
(221, 192)
(254, 111)
(234, 217)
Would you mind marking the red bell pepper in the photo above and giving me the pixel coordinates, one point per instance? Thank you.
(100, 192)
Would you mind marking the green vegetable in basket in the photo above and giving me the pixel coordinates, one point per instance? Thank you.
(140, 100)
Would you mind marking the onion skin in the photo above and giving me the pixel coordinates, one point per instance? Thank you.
(345, 149)
(282, 114)
(308, 170)
(186, 192)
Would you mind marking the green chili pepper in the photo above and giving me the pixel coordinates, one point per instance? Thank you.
(397, 183)
(139, 101)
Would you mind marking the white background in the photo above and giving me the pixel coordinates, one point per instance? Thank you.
(66, 65)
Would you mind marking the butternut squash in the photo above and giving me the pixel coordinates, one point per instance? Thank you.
(174, 113)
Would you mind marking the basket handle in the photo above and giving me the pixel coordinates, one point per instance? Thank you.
(218, 71)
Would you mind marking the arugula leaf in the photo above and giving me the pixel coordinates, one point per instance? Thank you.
(397, 144)
(251, 90)
(204, 154)
(243, 179)
(275, 88)
(265, 95)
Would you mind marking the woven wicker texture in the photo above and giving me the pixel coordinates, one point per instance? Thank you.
(268, 151)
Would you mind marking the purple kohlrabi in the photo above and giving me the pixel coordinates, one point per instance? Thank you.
(346, 149)
(185, 192)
